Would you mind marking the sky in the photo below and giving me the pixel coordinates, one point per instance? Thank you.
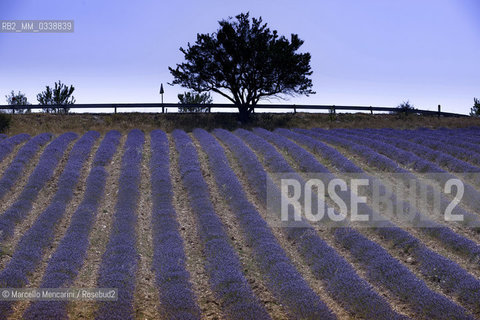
(369, 52)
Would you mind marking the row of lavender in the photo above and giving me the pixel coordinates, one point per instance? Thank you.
(69, 254)
(452, 278)
(120, 260)
(222, 264)
(282, 278)
(452, 241)
(419, 158)
(340, 279)
(177, 299)
(19, 163)
(30, 249)
(403, 284)
(8, 144)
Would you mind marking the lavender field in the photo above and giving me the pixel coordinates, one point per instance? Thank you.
(179, 223)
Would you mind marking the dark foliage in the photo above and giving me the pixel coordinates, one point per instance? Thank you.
(244, 61)
(60, 95)
(19, 99)
(5, 121)
(193, 101)
(475, 110)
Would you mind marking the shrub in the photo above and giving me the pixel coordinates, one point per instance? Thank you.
(19, 99)
(194, 101)
(475, 110)
(405, 106)
(61, 95)
(5, 120)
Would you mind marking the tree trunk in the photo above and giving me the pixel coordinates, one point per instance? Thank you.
(244, 113)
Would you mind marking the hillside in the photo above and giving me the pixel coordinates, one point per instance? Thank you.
(180, 222)
(80, 123)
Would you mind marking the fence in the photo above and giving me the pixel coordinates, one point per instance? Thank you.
(164, 106)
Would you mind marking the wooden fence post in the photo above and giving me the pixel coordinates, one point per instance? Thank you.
(371, 110)
(439, 111)
(115, 109)
(294, 109)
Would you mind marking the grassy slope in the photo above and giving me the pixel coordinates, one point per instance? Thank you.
(56, 124)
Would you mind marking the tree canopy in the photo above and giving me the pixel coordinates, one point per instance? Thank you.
(193, 101)
(475, 110)
(17, 99)
(245, 62)
(60, 95)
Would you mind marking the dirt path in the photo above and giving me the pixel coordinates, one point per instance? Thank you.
(146, 292)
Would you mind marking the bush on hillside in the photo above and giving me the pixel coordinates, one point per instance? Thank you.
(5, 120)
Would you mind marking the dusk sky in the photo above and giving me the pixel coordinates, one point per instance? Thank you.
(370, 52)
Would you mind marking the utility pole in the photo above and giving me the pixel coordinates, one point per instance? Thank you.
(161, 93)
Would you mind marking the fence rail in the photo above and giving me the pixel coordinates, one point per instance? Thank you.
(295, 108)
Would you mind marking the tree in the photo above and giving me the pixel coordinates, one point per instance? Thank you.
(245, 62)
(475, 110)
(18, 99)
(404, 108)
(192, 101)
(61, 95)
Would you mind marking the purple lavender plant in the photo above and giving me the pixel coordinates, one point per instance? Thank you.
(30, 249)
(25, 154)
(222, 264)
(444, 145)
(177, 300)
(8, 144)
(282, 277)
(447, 237)
(68, 257)
(452, 278)
(119, 262)
(386, 147)
(423, 305)
(42, 173)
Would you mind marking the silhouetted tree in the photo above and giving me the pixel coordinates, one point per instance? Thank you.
(60, 95)
(244, 61)
(18, 99)
(193, 100)
(404, 108)
(475, 110)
